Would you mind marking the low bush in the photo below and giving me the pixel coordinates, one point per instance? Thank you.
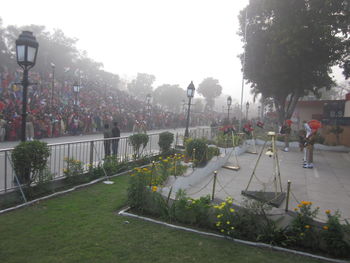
(30, 160)
(138, 142)
(196, 149)
(165, 141)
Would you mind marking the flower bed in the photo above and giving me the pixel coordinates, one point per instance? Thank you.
(250, 221)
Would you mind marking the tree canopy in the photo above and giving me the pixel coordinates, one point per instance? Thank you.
(141, 85)
(54, 48)
(291, 46)
(170, 96)
(210, 89)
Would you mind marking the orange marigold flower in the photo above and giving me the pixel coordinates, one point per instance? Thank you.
(299, 205)
(325, 227)
(154, 188)
(295, 209)
(307, 226)
(305, 203)
(328, 211)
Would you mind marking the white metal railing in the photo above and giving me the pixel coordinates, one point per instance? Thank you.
(90, 153)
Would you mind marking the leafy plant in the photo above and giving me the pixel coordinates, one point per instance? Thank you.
(165, 141)
(213, 151)
(302, 230)
(334, 237)
(138, 142)
(196, 149)
(74, 169)
(29, 160)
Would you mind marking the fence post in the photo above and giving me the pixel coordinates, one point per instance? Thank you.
(214, 184)
(5, 171)
(288, 192)
(126, 147)
(91, 154)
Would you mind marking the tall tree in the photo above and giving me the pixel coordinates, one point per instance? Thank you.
(169, 96)
(291, 46)
(210, 89)
(142, 85)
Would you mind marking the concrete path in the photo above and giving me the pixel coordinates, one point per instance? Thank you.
(327, 185)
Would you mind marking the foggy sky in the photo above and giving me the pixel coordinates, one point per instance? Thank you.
(175, 40)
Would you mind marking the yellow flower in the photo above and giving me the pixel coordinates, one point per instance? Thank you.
(325, 227)
(228, 222)
(216, 206)
(154, 188)
(132, 174)
(166, 160)
(232, 227)
(307, 226)
(145, 169)
(295, 209)
(160, 158)
(65, 170)
(218, 223)
(302, 234)
(328, 211)
(299, 205)
(222, 230)
(306, 203)
(219, 216)
(232, 210)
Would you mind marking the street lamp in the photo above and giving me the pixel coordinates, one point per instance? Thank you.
(259, 112)
(53, 82)
(190, 94)
(76, 89)
(148, 101)
(229, 103)
(247, 108)
(26, 52)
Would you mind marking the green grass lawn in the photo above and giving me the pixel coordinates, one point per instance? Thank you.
(83, 227)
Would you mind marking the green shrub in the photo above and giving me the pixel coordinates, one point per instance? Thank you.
(74, 172)
(138, 142)
(165, 141)
(333, 234)
(29, 160)
(302, 231)
(199, 155)
(213, 151)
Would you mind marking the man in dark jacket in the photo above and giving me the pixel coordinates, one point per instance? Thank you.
(115, 134)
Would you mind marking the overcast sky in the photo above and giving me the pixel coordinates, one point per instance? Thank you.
(175, 40)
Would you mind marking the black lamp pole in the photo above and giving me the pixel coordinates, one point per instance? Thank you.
(229, 102)
(247, 108)
(190, 94)
(25, 84)
(26, 52)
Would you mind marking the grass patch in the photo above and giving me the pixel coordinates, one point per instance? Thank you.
(83, 227)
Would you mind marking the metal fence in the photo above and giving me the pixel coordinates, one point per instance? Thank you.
(90, 153)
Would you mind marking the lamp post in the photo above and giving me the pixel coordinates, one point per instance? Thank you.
(148, 102)
(190, 94)
(229, 103)
(259, 112)
(76, 89)
(53, 82)
(247, 108)
(26, 52)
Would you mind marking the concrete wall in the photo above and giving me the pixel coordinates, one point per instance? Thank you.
(331, 139)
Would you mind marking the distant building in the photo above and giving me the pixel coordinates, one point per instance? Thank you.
(332, 114)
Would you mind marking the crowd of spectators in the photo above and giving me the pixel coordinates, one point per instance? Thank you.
(67, 111)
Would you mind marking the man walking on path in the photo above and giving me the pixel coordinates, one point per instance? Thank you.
(115, 134)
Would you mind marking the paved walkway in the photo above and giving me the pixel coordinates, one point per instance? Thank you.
(327, 185)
